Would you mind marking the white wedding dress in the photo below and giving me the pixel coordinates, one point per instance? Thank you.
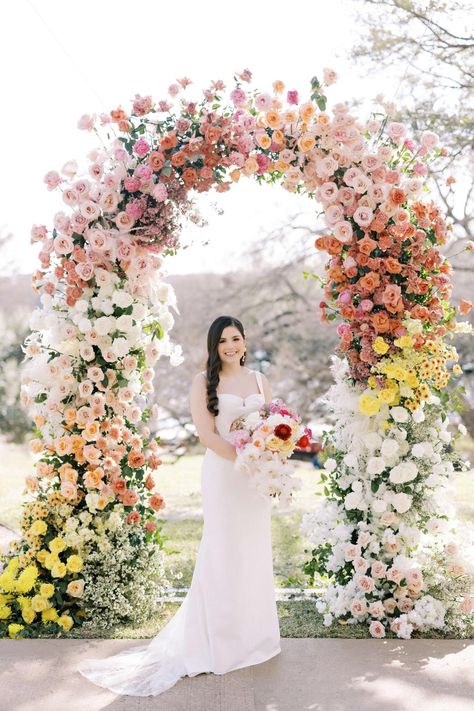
(228, 619)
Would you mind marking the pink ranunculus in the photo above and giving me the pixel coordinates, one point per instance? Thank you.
(160, 192)
(263, 102)
(366, 305)
(292, 96)
(144, 172)
(132, 184)
(238, 97)
(141, 148)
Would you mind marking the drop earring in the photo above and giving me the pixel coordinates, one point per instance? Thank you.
(243, 357)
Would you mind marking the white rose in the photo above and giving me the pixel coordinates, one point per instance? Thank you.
(330, 464)
(81, 306)
(124, 323)
(418, 415)
(104, 325)
(376, 465)
(352, 500)
(84, 325)
(379, 505)
(122, 299)
(401, 502)
(120, 347)
(389, 447)
(350, 460)
(372, 441)
(405, 471)
(139, 311)
(399, 414)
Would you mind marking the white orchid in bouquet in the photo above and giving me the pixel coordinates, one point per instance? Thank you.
(264, 440)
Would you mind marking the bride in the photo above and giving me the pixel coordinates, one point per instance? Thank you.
(228, 619)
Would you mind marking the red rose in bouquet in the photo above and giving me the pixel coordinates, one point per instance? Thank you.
(283, 432)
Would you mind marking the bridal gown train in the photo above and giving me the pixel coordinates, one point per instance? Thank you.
(228, 619)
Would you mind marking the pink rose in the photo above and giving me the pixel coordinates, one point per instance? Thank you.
(429, 140)
(377, 629)
(343, 231)
(85, 270)
(263, 102)
(329, 76)
(366, 584)
(86, 122)
(52, 179)
(132, 184)
(396, 131)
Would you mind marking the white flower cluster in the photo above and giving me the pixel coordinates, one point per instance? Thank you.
(383, 536)
(122, 326)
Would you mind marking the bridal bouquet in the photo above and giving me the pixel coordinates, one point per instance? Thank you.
(264, 440)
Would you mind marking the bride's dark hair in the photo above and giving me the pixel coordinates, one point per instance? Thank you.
(213, 364)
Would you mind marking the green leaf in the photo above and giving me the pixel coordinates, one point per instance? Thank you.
(321, 102)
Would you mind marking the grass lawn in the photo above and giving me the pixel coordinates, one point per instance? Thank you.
(179, 484)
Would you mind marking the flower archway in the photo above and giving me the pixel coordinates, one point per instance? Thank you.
(105, 319)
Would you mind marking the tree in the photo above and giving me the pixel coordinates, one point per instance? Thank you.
(430, 43)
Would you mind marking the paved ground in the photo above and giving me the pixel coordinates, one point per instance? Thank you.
(308, 675)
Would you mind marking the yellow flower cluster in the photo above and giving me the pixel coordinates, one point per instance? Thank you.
(410, 375)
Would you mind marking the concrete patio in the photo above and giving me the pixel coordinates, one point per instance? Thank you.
(309, 674)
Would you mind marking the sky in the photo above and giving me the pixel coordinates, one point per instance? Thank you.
(62, 59)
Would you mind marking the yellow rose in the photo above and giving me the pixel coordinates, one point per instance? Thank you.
(46, 590)
(59, 570)
(387, 395)
(56, 545)
(66, 622)
(74, 563)
(411, 380)
(399, 373)
(273, 444)
(380, 346)
(75, 588)
(50, 615)
(13, 630)
(38, 528)
(39, 603)
(50, 560)
(28, 614)
(5, 612)
(369, 405)
(41, 555)
(404, 342)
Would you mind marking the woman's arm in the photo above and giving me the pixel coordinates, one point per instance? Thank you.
(204, 420)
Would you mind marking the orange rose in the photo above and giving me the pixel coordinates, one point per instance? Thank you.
(366, 245)
(381, 321)
(156, 502)
(273, 119)
(156, 160)
(136, 459)
(397, 196)
(307, 111)
(370, 281)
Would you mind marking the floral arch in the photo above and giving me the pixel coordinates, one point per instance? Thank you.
(381, 542)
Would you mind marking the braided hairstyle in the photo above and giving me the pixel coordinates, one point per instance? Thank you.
(213, 363)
